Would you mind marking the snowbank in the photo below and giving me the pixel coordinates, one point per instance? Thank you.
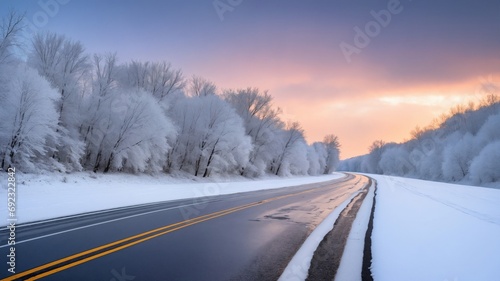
(48, 196)
(352, 259)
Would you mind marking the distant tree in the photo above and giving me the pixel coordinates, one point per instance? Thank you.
(352, 164)
(376, 146)
(457, 157)
(314, 161)
(332, 145)
(371, 162)
(291, 156)
(317, 155)
(489, 131)
(485, 167)
(417, 133)
(492, 97)
(395, 161)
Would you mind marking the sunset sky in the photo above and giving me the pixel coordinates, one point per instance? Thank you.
(429, 56)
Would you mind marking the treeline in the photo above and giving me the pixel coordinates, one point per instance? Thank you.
(463, 146)
(65, 110)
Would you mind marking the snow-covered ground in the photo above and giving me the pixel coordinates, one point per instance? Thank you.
(48, 196)
(435, 231)
(423, 230)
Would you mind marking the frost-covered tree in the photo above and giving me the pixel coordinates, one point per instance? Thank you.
(130, 135)
(67, 111)
(261, 123)
(485, 167)
(352, 164)
(64, 64)
(200, 87)
(371, 162)
(396, 161)
(314, 161)
(29, 120)
(211, 137)
(428, 161)
(291, 155)
(317, 155)
(490, 130)
(158, 78)
(323, 156)
(447, 151)
(95, 107)
(332, 145)
(457, 156)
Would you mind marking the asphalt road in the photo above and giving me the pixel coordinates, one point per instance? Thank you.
(245, 236)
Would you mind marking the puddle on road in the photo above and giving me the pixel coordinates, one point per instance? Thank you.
(277, 217)
(310, 214)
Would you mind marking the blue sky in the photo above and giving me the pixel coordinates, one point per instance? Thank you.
(431, 55)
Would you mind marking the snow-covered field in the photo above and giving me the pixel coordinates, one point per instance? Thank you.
(435, 231)
(48, 196)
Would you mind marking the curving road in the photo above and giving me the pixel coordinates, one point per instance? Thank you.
(245, 236)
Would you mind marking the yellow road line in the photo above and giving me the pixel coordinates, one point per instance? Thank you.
(130, 244)
(142, 237)
(192, 221)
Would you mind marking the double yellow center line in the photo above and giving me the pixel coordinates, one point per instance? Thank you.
(76, 259)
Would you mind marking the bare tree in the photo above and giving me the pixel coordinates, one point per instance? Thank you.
(61, 61)
(157, 78)
(10, 28)
(200, 87)
(105, 74)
